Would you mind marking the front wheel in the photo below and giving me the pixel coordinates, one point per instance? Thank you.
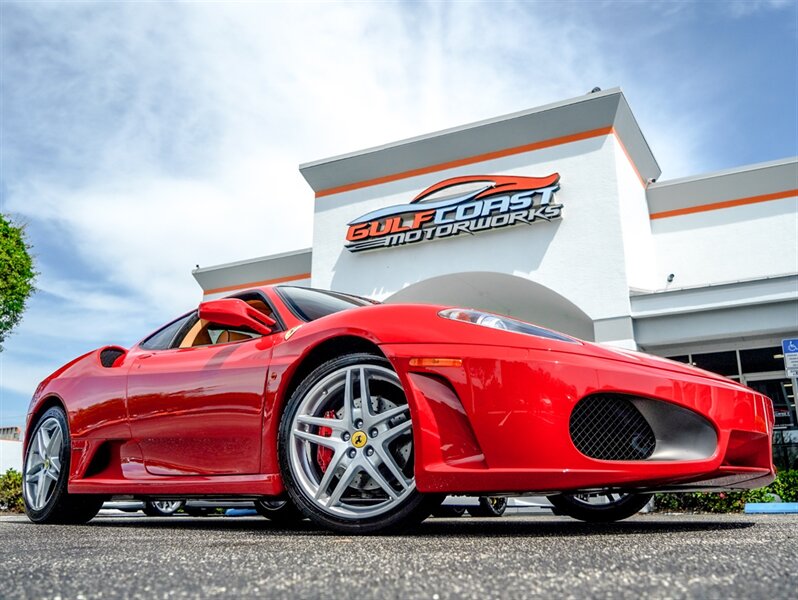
(604, 507)
(46, 474)
(346, 448)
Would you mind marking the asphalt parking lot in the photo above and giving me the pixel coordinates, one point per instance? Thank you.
(658, 556)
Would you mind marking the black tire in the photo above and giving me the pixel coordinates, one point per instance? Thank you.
(622, 508)
(489, 506)
(153, 509)
(60, 506)
(413, 509)
(449, 512)
(281, 512)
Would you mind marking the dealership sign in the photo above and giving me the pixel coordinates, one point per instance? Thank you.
(458, 205)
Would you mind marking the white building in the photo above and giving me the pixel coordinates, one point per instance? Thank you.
(703, 269)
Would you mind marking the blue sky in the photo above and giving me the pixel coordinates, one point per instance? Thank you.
(140, 139)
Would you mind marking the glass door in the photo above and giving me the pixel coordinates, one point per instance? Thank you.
(781, 390)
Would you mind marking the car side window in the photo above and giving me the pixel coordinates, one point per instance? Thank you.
(170, 336)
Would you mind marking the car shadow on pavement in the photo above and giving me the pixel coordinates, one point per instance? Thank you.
(251, 524)
(466, 527)
(547, 527)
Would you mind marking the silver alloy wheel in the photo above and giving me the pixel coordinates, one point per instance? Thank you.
(167, 506)
(599, 499)
(43, 464)
(369, 471)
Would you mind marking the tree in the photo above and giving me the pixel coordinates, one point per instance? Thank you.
(16, 276)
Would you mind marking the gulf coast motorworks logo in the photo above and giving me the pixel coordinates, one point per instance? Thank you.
(459, 205)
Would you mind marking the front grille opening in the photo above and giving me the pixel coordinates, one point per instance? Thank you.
(609, 427)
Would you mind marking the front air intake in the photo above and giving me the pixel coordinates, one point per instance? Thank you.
(609, 427)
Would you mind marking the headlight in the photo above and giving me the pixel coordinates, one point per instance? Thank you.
(476, 317)
(491, 321)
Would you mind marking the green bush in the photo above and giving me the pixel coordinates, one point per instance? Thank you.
(785, 487)
(11, 491)
(721, 502)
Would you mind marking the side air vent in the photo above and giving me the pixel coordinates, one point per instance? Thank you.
(109, 355)
(610, 427)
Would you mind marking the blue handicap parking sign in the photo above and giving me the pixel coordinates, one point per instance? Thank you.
(790, 350)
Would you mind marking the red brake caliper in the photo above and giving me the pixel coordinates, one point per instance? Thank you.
(324, 455)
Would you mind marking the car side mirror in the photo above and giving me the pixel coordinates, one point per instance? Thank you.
(234, 312)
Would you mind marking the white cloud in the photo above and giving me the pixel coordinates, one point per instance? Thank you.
(146, 235)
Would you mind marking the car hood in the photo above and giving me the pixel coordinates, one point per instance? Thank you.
(656, 362)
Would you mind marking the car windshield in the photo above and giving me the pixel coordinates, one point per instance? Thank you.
(309, 304)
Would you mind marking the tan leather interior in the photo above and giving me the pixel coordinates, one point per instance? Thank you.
(261, 306)
(198, 335)
(231, 336)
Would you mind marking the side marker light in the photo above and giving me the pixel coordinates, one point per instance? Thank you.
(436, 362)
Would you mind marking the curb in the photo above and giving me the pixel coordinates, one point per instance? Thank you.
(240, 512)
(771, 508)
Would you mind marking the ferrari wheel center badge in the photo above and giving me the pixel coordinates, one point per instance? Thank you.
(359, 439)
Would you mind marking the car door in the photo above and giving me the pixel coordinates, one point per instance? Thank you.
(197, 410)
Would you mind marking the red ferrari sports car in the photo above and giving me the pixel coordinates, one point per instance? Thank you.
(364, 416)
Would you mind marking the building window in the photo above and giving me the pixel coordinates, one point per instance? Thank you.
(760, 360)
(723, 363)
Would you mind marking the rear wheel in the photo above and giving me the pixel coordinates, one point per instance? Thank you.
(281, 512)
(162, 508)
(489, 506)
(346, 448)
(46, 474)
(603, 507)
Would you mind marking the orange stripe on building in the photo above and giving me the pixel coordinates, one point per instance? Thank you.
(725, 204)
(242, 286)
(585, 135)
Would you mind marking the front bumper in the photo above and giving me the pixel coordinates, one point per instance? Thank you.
(500, 423)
